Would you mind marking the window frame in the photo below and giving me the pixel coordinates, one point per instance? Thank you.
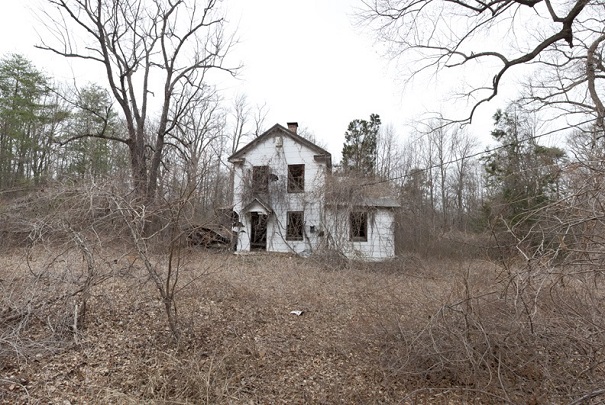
(358, 226)
(291, 225)
(296, 178)
(260, 178)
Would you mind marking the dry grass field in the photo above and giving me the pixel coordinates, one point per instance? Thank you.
(407, 331)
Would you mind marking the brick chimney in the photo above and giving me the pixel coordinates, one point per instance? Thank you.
(293, 126)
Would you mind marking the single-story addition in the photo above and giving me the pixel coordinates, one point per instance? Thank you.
(360, 218)
(288, 201)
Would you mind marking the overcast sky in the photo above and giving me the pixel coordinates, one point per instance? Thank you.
(305, 59)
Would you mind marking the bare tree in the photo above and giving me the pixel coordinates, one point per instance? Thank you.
(564, 40)
(245, 122)
(164, 270)
(388, 163)
(446, 157)
(240, 115)
(464, 181)
(248, 121)
(144, 46)
(441, 139)
(194, 148)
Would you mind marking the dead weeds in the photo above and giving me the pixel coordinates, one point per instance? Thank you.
(376, 333)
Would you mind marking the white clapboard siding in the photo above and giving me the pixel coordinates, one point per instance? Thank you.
(324, 226)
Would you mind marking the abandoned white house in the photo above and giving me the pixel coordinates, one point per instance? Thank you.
(288, 201)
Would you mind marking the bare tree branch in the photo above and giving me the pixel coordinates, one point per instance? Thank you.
(140, 44)
(451, 35)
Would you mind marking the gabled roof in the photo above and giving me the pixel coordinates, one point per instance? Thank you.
(255, 204)
(320, 153)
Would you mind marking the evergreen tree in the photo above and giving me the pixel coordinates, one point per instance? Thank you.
(359, 152)
(23, 114)
(522, 175)
(86, 151)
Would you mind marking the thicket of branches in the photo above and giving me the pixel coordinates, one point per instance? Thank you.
(542, 204)
(534, 208)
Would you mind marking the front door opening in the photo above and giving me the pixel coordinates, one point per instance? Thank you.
(258, 233)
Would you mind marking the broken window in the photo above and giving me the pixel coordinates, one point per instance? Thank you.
(260, 178)
(296, 222)
(296, 178)
(359, 226)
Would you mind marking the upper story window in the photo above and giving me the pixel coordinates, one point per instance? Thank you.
(260, 179)
(295, 226)
(296, 178)
(358, 222)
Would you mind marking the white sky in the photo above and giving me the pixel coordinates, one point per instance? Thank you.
(304, 59)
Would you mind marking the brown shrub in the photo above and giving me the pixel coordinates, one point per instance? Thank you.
(500, 337)
(409, 330)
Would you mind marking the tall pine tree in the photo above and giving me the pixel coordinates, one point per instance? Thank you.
(23, 89)
(360, 148)
(522, 175)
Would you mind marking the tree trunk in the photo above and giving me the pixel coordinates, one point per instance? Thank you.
(138, 167)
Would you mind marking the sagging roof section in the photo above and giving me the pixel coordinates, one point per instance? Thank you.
(357, 192)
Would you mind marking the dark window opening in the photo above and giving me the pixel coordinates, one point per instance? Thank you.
(296, 222)
(296, 178)
(260, 178)
(359, 226)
